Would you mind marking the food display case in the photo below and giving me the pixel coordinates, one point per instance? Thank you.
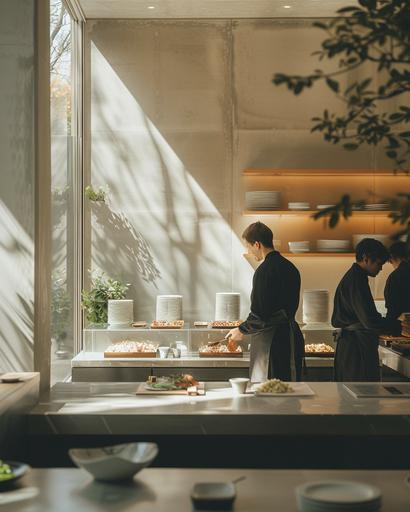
(177, 351)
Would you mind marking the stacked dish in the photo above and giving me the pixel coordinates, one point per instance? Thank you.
(324, 206)
(299, 206)
(333, 245)
(315, 306)
(298, 247)
(120, 312)
(338, 496)
(227, 306)
(169, 307)
(376, 206)
(384, 239)
(262, 200)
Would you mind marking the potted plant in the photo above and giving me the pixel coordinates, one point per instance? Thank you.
(95, 301)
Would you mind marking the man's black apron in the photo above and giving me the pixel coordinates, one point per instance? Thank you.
(262, 342)
(357, 355)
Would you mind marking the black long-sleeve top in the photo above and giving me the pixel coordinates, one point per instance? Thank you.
(276, 286)
(397, 291)
(354, 304)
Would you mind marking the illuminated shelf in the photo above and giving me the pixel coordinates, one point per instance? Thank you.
(317, 254)
(319, 173)
(311, 212)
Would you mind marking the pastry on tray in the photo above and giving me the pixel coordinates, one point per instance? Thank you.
(130, 348)
(225, 324)
(164, 324)
(314, 348)
(220, 350)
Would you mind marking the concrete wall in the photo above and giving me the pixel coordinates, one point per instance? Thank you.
(16, 184)
(176, 110)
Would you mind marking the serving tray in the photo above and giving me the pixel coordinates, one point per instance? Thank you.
(130, 354)
(319, 354)
(221, 354)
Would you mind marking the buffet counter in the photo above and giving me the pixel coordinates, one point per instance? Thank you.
(165, 490)
(395, 361)
(332, 428)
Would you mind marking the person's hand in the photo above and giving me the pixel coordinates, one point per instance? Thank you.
(234, 335)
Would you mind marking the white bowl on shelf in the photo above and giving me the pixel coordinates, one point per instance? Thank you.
(384, 239)
(299, 206)
(262, 199)
(114, 463)
(298, 247)
(333, 245)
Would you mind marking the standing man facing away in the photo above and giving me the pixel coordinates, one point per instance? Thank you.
(397, 289)
(357, 355)
(277, 347)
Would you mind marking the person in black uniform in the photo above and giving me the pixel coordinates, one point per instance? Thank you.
(277, 347)
(397, 289)
(357, 356)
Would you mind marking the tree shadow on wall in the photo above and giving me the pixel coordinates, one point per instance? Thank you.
(130, 247)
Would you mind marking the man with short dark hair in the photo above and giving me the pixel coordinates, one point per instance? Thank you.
(357, 356)
(277, 347)
(397, 289)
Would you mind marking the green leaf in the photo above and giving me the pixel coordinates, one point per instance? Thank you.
(350, 146)
(333, 84)
(391, 154)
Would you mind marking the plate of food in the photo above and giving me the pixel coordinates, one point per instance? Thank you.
(220, 350)
(167, 324)
(179, 384)
(277, 387)
(10, 471)
(131, 348)
(225, 324)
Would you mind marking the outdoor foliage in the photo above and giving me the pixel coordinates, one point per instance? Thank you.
(378, 32)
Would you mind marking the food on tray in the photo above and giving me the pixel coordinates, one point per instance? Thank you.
(132, 346)
(139, 324)
(220, 349)
(6, 472)
(173, 382)
(223, 324)
(401, 341)
(405, 329)
(274, 386)
(201, 324)
(318, 347)
(164, 324)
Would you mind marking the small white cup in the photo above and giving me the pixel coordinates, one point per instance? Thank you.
(239, 385)
(163, 352)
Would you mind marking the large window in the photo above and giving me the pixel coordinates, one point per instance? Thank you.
(65, 172)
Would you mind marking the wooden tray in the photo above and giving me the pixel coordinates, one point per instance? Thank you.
(130, 354)
(142, 390)
(220, 354)
(237, 324)
(319, 354)
(153, 326)
(387, 340)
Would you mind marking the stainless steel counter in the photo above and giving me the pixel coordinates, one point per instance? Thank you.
(168, 490)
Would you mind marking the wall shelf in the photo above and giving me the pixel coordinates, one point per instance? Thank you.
(368, 213)
(320, 173)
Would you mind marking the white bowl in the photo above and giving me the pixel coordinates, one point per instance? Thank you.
(113, 463)
(239, 385)
(384, 239)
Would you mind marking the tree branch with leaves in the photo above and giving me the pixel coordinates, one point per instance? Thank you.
(377, 32)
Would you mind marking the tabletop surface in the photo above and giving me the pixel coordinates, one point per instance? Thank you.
(168, 490)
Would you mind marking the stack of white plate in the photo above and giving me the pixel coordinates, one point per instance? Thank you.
(324, 206)
(298, 247)
(376, 206)
(315, 306)
(227, 306)
(262, 199)
(169, 308)
(333, 245)
(299, 206)
(384, 239)
(120, 312)
(338, 496)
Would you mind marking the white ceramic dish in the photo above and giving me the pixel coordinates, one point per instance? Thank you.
(114, 463)
(299, 389)
(384, 239)
(324, 206)
(299, 206)
(239, 385)
(337, 496)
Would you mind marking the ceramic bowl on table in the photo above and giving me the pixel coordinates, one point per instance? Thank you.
(114, 463)
(239, 385)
